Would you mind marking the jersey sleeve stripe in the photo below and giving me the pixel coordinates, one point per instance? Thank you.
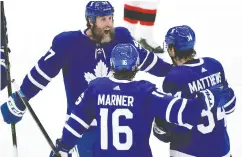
(230, 102)
(148, 52)
(44, 75)
(152, 64)
(84, 124)
(184, 102)
(180, 122)
(168, 110)
(74, 132)
(157, 94)
(230, 106)
(230, 111)
(158, 130)
(37, 84)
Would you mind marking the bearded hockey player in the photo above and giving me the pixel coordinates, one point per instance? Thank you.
(83, 56)
(125, 109)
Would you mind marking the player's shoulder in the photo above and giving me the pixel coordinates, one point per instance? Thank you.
(68, 36)
(99, 82)
(178, 76)
(179, 71)
(209, 60)
(122, 34)
(146, 86)
(106, 83)
(120, 30)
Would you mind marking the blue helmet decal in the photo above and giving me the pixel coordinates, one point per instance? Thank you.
(183, 37)
(98, 8)
(124, 56)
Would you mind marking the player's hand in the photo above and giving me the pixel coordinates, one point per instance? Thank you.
(160, 131)
(13, 110)
(216, 96)
(63, 150)
(222, 95)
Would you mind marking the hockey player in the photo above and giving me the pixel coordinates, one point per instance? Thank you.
(142, 14)
(124, 110)
(82, 56)
(189, 76)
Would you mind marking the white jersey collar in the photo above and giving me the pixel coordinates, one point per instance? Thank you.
(201, 61)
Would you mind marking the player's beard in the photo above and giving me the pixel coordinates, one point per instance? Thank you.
(99, 34)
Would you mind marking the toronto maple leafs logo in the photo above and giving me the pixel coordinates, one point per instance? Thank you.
(99, 51)
(101, 70)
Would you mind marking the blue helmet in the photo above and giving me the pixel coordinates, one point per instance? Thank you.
(183, 37)
(98, 8)
(124, 56)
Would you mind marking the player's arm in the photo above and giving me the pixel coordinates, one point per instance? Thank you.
(172, 86)
(183, 112)
(3, 71)
(37, 79)
(229, 100)
(149, 62)
(229, 105)
(80, 119)
(47, 67)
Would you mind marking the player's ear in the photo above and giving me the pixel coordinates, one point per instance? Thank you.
(90, 21)
(171, 51)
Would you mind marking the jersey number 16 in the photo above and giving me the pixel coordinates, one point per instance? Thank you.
(117, 129)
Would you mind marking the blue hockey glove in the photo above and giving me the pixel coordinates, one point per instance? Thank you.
(13, 110)
(216, 95)
(63, 150)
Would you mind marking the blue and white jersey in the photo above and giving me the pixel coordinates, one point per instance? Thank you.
(82, 60)
(124, 111)
(209, 138)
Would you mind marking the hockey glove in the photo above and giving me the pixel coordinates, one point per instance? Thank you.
(215, 95)
(13, 110)
(160, 132)
(63, 150)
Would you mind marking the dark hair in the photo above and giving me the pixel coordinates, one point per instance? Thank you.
(125, 74)
(88, 23)
(190, 53)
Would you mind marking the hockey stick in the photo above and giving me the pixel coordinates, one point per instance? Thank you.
(22, 97)
(4, 38)
(36, 119)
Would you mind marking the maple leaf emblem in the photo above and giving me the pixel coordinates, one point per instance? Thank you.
(101, 70)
